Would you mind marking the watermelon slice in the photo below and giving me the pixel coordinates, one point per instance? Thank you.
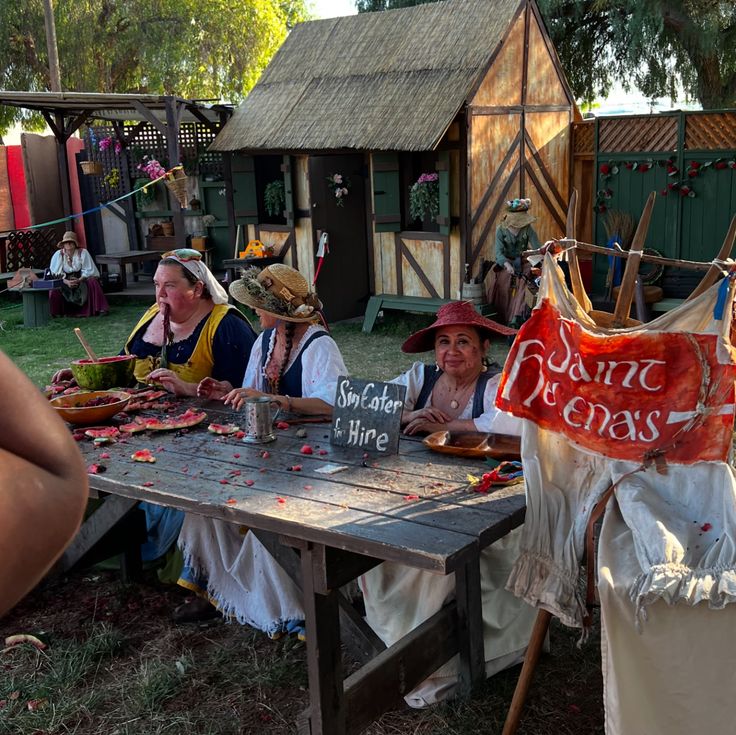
(102, 432)
(133, 428)
(143, 455)
(223, 428)
(185, 420)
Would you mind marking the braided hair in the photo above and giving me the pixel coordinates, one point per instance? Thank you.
(289, 329)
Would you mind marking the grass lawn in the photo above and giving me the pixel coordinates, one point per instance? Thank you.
(115, 665)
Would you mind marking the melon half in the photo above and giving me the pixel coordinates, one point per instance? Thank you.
(107, 372)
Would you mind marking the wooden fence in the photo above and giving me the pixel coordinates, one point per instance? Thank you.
(688, 158)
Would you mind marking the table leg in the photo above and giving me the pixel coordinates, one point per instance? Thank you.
(470, 626)
(123, 276)
(324, 657)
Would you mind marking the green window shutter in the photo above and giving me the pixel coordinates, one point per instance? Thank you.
(288, 191)
(386, 194)
(443, 169)
(245, 200)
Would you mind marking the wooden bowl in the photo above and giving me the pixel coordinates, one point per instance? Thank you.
(75, 409)
(475, 444)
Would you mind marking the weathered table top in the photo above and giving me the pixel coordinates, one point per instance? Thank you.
(415, 508)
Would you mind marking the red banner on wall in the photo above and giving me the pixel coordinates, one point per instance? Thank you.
(621, 396)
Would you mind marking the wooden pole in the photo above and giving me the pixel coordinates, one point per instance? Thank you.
(626, 292)
(714, 271)
(576, 279)
(539, 633)
(53, 51)
(587, 247)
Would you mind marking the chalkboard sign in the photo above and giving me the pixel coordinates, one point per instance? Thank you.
(367, 415)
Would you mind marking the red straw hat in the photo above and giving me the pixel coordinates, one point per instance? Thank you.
(456, 313)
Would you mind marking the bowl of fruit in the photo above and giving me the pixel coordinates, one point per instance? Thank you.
(104, 372)
(92, 407)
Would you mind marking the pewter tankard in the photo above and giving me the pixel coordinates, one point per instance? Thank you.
(259, 418)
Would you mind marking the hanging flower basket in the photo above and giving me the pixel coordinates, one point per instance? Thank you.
(177, 183)
(91, 168)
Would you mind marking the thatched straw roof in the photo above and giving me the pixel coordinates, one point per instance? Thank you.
(392, 80)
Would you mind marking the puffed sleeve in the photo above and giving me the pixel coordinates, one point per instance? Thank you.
(56, 266)
(413, 379)
(500, 257)
(253, 369)
(231, 348)
(322, 365)
(493, 420)
(89, 269)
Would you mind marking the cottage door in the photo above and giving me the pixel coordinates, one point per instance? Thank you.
(343, 283)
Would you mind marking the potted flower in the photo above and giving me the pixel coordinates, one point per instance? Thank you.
(424, 197)
(339, 185)
(274, 197)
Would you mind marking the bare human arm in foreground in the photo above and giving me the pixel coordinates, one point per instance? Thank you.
(43, 485)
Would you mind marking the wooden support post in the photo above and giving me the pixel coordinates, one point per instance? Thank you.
(576, 279)
(539, 633)
(714, 271)
(626, 292)
(324, 657)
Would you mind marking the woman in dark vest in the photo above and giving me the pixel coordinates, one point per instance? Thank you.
(296, 363)
(457, 391)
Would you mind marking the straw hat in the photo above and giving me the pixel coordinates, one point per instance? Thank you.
(517, 213)
(278, 290)
(456, 313)
(69, 236)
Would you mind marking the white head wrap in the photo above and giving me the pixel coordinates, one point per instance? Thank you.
(202, 273)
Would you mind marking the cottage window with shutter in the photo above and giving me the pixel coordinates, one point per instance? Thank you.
(393, 176)
(251, 177)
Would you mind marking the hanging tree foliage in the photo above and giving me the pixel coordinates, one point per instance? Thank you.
(650, 45)
(203, 49)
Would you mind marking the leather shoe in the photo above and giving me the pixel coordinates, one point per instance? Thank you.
(195, 611)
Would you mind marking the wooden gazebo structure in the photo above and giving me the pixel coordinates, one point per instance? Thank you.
(66, 112)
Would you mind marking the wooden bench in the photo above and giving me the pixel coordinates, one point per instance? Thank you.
(409, 303)
(132, 257)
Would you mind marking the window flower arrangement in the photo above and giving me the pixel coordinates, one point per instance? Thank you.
(424, 197)
(274, 197)
(152, 168)
(339, 185)
(106, 142)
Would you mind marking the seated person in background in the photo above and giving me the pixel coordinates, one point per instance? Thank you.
(514, 235)
(296, 363)
(457, 393)
(81, 293)
(189, 333)
(43, 485)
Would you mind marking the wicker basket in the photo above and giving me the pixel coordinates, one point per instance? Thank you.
(91, 168)
(178, 187)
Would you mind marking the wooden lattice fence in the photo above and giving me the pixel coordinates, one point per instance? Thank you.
(29, 248)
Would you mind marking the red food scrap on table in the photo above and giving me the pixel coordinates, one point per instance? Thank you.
(236, 455)
(411, 497)
(296, 468)
(281, 501)
(239, 435)
(224, 482)
(96, 469)
(105, 455)
(706, 527)
(143, 455)
(282, 425)
(230, 501)
(306, 449)
(323, 451)
(148, 484)
(249, 482)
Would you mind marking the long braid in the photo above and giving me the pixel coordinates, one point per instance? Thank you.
(289, 329)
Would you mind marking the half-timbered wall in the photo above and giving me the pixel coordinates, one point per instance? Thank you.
(518, 137)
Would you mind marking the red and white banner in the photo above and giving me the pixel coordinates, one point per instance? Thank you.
(621, 396)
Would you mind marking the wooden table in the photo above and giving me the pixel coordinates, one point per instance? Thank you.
(36, 312)
(414, 508)
(132, 257)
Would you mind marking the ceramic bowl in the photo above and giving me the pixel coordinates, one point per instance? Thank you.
(75, 408)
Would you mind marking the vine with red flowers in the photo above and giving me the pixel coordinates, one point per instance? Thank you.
(678, 183)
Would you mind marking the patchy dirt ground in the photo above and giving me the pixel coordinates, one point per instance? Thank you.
(115, 664)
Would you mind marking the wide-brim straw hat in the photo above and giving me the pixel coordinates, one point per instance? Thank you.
(518, 219)
(278, 290)
(69, 236)
(454, 314)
